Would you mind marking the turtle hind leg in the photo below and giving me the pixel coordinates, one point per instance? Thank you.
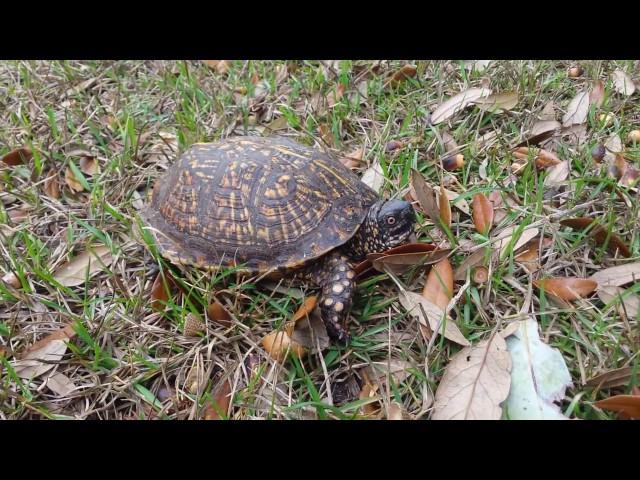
(336, 278)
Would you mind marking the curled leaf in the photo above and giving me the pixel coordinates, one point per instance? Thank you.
(457, 103)
(407, 71)
(599, 234)
(438, 288)
(627, 404)
(218, 313)
(445, 208)
(498, 102)
(218, 407)
(18, 157)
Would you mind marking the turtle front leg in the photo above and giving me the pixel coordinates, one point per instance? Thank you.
(336, 278)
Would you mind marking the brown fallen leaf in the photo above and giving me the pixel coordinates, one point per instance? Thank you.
(407, 71)
(438, 288)
(445, 208)
(279, 343)
(40, 357)
(457, 103)
(498, 102)
(626, 404)
(425, 195)
(218, 407)
(306, 308)
(89, 165)
(161, 291)
(577, 110)
(617, 276)
(218, 313)
(482, 213)
(11, 279)
(60, 384)
(83, 266)
(476, 381)
(542, 127)
(220, 66)
(628, 303)
(599, 234)
(596, 95)
(395, 411)
(71, 181)
(450, 145)
(542, 158)
(369, 391)
(529, 257)
(19, 156)
(622, 83)
(431, 316)
(620, 377)
(310, 331)
(400, 263)
(52, 185)
(567, 288)
(335, 95)
(353, 159)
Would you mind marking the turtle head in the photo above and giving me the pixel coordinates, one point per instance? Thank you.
(389, 224)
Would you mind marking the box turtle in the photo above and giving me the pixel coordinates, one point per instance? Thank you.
(267, 205)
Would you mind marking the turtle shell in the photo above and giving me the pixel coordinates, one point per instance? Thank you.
(258, 204)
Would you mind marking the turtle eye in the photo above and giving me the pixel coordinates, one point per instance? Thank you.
(391, 220)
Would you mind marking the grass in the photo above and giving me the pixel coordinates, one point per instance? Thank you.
(128, 361)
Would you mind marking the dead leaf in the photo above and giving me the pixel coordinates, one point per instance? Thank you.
(543, 127)
(19, 156)
(419, 307)
(477, 65)
(220, 66)
(218, 313)
(426, 196)
(374, 177)
(617, 276)
(457, 103)
(482, 213)
(218, 407)
(577, 110)
(622, 83)
(438, 288)
(407, 71)
(161, 292)
(400, 263)
(630, 302)
(395, 411)
(548, 112)
(445, 208)
(476, 381)
(619, 377)
(83, 266)
(12, 280)
(627, 404)
(542, 158)
(353, 159)
(60, 384)
(599, 234)
(310, 331)
(335, 95)
(530, 256)
(306, 308)
(71, 181)
(51, 185)
(505, 237)
(558, 173)
(279, 343)
(498, 102)
(406, 248)
(596, 95)
(89, 165)
(567, 288)
(40, 357)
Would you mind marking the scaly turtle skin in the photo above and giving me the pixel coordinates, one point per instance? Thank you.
(272, 205)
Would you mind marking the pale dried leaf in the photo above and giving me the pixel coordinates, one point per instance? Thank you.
(612, 294)
(548, 112)
(619, 377)
(544, 126)
(622, 83)
(71, 181)
(476, 381)
(498, 102)
(435, 319)
(84, 265)
(60, 384)
(558, 173)
(477, 65)
(577, 110)
(617, 276)
(374, 177)
(39, 357)
(538, 379)
(89, 166)
(506, 237)
(457, 103)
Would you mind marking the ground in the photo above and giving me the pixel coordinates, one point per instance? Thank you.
(102, 132)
